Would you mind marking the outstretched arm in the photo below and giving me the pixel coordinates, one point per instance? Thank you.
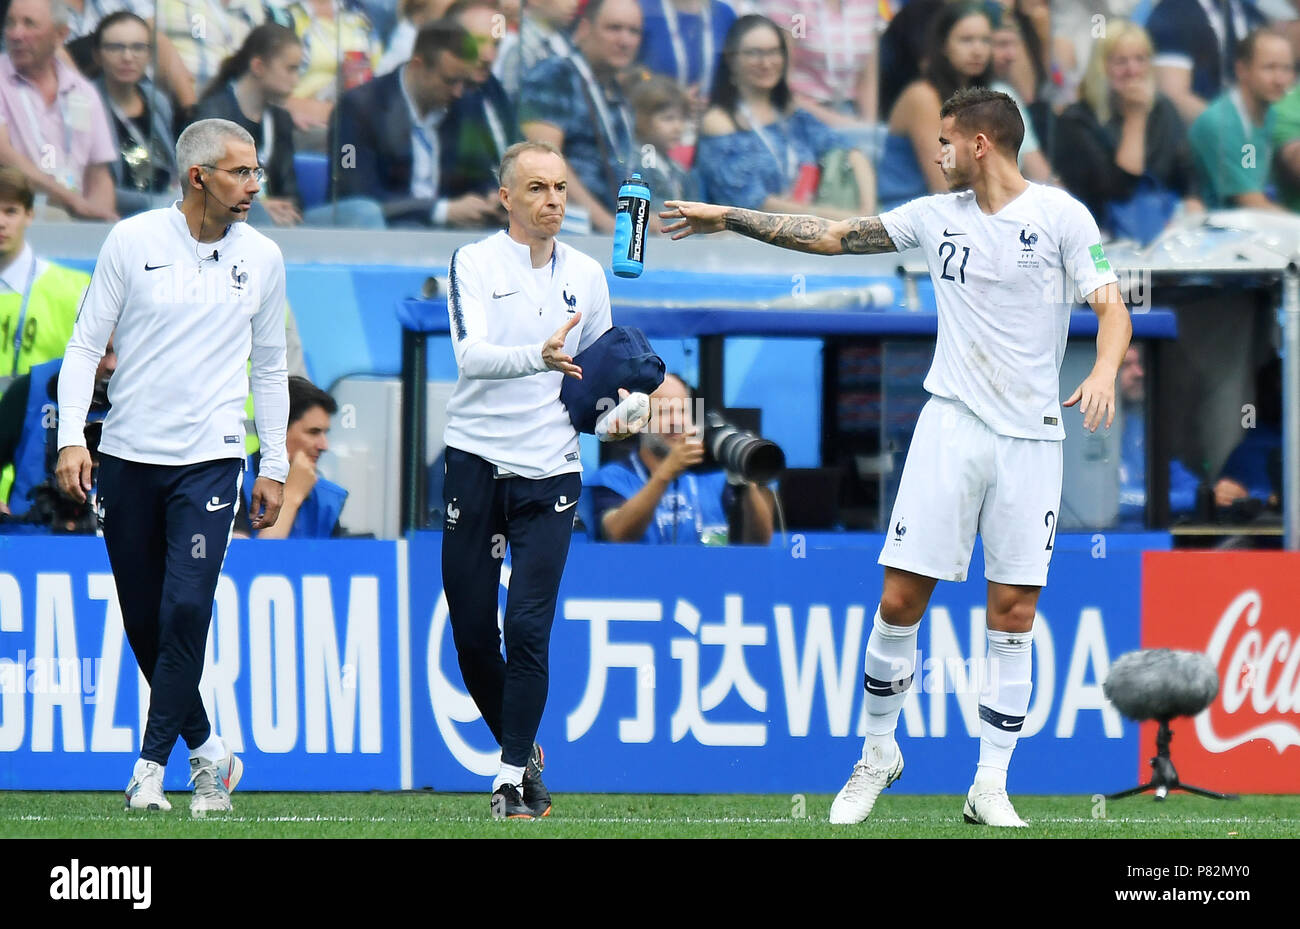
(863, 235)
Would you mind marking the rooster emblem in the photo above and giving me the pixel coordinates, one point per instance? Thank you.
(1028, 239)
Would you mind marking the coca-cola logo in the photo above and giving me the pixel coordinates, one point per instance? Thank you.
(1259, 683)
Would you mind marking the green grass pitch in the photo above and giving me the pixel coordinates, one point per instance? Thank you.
(423, 814)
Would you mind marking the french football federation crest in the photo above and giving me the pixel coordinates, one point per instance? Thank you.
(1028, 257)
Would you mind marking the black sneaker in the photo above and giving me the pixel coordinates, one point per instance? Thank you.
(536, 797)
(507, 804)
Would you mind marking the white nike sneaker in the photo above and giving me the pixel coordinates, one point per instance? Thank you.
(145, 791)
(213, 781)
(855, 800)
(991, 807)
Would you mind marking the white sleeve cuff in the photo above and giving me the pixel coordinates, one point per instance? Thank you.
(440, 208)
(274, 470)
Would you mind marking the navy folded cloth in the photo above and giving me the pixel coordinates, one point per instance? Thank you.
(621, 357)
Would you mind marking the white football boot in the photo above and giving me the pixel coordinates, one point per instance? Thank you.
(145, 791)
(855, 800)
(990, 806)
(213, 781)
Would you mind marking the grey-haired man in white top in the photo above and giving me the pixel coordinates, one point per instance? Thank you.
(191, 295)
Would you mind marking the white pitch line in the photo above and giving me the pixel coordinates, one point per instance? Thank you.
(416, 820)
(669, 821)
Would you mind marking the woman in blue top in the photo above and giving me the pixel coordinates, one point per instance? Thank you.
(755, 144)
(960, 54)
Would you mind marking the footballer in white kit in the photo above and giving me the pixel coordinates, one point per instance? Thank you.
(1009, 259)
(986, 453)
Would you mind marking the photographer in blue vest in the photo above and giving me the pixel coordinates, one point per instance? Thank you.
(29, 423)
(312, 504)
(655, 497)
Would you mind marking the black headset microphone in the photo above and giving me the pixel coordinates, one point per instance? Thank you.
(234, 209)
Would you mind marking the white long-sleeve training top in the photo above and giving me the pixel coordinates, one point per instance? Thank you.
(186, 317)
(506, 406)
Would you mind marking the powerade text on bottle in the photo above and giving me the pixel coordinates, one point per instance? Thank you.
(630, 227)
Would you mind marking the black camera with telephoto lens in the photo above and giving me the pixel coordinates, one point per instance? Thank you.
(742, 452)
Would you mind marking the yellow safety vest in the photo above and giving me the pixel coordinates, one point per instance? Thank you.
(46, 328)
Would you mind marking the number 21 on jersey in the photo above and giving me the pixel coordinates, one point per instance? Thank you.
(948, 251)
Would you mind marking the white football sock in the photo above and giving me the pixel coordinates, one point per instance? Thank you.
(138, 769)
(1003, 703)
(509, 774)
(213, 750)
(890, 661)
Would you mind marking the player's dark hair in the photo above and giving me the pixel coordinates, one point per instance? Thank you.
(1244, 53)
(978, 109)
(111, 20)
(941, 72)
(16, 188)
(305, 396)
(264, 42)
(444, 35)
(726, 95)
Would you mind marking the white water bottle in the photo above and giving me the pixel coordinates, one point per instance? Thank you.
(633, 412)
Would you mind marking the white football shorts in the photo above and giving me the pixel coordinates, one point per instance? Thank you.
(961, 477)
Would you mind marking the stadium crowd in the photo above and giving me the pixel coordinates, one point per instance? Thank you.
(395, 113)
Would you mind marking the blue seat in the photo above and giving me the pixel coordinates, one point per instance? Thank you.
(312, 171)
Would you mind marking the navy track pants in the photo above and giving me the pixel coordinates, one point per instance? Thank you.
(483, 514)
(166, 528)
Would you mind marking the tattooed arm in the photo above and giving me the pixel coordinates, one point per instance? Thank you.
(864, 235)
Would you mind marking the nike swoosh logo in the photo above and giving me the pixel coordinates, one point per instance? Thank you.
(149, 267)
(497, 296)
(213, 509)
(946, 233)
(561, 509)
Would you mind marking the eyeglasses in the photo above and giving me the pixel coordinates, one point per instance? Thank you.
(759, 54)
(139, 49)
(243, 174)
